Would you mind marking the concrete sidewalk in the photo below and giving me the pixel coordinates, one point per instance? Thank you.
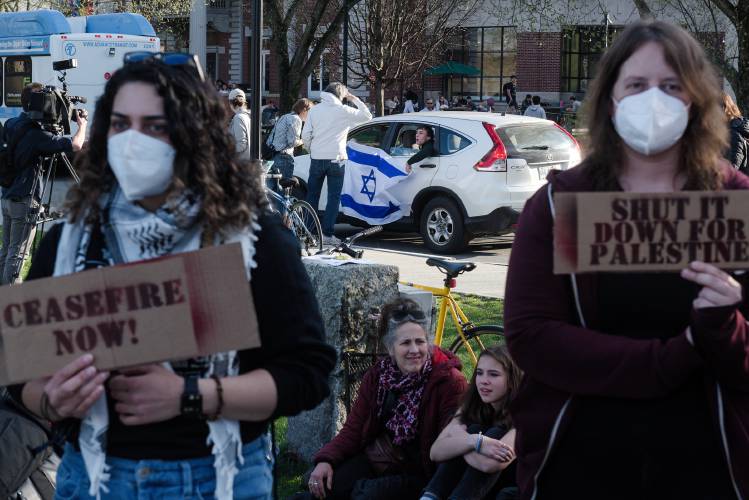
(487, 279)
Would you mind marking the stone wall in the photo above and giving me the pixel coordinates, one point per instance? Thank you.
(346, 296)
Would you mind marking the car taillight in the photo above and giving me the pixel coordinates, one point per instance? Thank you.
(496, 159)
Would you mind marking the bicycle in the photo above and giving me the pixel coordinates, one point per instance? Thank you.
(471, 337)
(297, 215)
(344, 247)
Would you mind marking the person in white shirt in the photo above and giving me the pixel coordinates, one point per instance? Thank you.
(240, 123)
(535, 109)
(429, 106)
(408, 106)
(324, 136)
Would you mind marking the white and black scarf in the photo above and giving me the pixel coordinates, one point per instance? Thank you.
(132, 234)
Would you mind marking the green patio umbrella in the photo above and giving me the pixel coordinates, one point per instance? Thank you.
(453, 68)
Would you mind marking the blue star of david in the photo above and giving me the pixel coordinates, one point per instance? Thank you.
(365, 187)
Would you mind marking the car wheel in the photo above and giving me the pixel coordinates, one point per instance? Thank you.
(442, 226)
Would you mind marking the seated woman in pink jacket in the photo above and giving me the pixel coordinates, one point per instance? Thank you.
(404, 401)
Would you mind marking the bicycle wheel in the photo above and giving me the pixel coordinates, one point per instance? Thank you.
(479, 338)
(306, 226)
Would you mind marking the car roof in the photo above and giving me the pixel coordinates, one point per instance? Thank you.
(497, 119)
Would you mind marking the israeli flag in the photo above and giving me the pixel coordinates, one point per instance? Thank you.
(370, 173)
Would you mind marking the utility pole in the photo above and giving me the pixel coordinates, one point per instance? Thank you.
(198, 27)
(256, 82)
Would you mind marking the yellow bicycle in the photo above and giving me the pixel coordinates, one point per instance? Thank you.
(471, 338)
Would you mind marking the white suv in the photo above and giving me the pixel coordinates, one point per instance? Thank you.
(488, 165)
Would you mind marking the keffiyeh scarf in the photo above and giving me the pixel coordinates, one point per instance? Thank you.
(131, 234)
(409, 389)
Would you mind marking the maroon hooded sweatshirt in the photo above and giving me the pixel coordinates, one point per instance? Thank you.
(563, 360)
(439, 402)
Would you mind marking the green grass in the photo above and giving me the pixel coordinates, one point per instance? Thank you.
(480, 310)
(27, 263)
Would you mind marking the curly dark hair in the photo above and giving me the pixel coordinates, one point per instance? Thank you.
(231, 190)
(473, 410)
(706, 135)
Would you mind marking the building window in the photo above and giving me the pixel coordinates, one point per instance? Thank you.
(492, 50)
(582, 48)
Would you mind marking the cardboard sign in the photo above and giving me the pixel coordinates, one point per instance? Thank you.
(176, 307)
(650, 231)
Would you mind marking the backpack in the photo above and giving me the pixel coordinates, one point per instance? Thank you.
(8, 170)
(267, 151)
(25, 445)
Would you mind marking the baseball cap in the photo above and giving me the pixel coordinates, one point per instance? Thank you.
(236, 93)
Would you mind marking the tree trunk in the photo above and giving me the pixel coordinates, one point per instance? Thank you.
(379, 94)
(741, 85)
(289, 90)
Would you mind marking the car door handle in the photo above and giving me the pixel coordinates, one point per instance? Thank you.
(427, 165)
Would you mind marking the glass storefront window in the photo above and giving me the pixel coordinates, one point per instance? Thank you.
(492, 39)
(582, 48)
(493, 50)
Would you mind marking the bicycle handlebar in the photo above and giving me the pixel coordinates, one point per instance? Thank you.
(345, 245)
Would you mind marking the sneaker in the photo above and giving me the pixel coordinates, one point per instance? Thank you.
(330, 241)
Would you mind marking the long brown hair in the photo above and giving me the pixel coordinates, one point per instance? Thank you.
(705, 138)
(474, 410)
(730, 108)
(205, 162)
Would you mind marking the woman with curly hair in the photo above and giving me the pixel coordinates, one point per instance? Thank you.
(475, 450)
(635, 383)
(158, 178)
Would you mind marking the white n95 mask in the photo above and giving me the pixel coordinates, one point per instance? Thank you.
(651, 121)
(143, 166)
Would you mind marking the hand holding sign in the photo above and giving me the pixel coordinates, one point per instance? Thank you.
(73, 389)
(719, 288)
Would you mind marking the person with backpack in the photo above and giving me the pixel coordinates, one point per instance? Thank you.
(738, 153)
(22, 184)
(286, 135)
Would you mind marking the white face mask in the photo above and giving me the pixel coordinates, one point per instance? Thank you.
(651, 121)
(143, 166)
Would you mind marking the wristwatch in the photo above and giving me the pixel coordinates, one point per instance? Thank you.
(192, 400)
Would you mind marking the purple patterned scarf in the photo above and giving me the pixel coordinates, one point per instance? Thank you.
(408, 388)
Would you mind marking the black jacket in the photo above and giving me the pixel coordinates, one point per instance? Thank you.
(293, 347)
(738, 155)
(35, 144)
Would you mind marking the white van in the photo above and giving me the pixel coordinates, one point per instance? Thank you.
(31, 41)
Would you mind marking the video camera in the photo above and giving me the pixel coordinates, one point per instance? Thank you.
(54, 108)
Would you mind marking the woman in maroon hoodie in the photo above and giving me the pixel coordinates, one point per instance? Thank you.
(637, 385)
(403, 403)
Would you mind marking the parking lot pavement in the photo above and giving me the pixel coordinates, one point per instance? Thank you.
(487, 279)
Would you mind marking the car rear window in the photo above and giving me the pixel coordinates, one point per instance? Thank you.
(533, 137)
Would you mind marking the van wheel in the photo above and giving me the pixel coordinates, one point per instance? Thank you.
(442, 226)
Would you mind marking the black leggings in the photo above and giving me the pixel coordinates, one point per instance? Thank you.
(355, 479)
(454, 479)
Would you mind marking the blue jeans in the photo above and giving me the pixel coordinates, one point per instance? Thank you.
(19, 228)
(169, 480)
(318, 171)
(285, 164)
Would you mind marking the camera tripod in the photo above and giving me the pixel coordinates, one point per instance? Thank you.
(39, 213)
